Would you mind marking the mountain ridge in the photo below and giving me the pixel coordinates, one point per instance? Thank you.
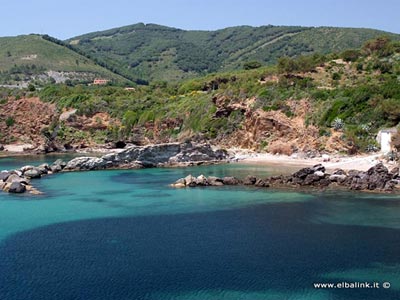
(143, 53)
(146, 50)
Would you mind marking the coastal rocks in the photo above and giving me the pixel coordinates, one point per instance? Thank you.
(14, 182)
(33, 173)
(215, 181)
(230, 180)
(86, 163)
(150, 156)
(57, 166)
(4, 175)
(18, 181)
(191, 181)
(16, 187)
(377, 178)
(249, 180)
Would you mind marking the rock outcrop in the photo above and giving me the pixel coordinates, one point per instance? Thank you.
(18, 181)
(377, 178)
(150, 156)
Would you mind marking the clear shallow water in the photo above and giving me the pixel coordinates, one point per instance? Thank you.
(127, 235)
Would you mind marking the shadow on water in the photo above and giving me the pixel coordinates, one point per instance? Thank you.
(258, 248)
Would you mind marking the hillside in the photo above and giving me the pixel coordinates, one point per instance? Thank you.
(153, 52)
(332, 103)
(33, 58)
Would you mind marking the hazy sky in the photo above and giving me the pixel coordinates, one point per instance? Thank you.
(64, 19)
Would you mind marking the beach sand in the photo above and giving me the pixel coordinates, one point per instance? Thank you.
(357, 162)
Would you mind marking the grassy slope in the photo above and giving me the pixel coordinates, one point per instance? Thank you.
(148, 51)
(34, 50)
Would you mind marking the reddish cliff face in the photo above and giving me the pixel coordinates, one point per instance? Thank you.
(22, 120)
(274, 131)
(29, 121)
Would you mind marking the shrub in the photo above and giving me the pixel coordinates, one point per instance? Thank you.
(336, 76)
(350, 55)
(10, 121)
(337, 124)
(251, 65)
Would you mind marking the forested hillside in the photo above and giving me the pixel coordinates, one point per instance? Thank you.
(334, 102)
(153, 52)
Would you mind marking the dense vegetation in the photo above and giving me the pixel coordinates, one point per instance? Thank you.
(153, 52)
(139, 54)
(354, 93)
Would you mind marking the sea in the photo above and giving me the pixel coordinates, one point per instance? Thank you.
(127, 235)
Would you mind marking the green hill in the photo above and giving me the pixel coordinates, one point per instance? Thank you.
(327, 103)
(154, 52)
(33, 57)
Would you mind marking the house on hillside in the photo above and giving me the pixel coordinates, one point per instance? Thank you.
(385, 139)
(100, 81)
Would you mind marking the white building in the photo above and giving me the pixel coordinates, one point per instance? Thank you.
(384, 138)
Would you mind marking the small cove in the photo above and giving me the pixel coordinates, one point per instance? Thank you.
(124, 234)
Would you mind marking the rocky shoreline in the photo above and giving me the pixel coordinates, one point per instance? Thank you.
(134, 157)
(377, 178)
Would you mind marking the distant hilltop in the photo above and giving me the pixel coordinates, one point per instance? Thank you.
(142, 53)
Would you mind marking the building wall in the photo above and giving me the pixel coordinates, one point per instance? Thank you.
(386, 142)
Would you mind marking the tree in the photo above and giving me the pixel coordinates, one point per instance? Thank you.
(251, 65)
(31, 87)
(350, 55)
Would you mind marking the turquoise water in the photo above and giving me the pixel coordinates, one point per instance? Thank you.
(128, 235)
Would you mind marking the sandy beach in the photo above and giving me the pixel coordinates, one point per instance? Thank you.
(331, 162)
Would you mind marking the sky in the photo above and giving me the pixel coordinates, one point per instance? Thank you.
(65, 19)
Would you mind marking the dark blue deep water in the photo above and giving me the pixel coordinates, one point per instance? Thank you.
(127, 235)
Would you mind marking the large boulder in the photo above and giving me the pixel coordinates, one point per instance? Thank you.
(4, 175)
(85, 163)
(318, 168)
(339, 178)
(190, 181)
(180, 183)
(15, 178)
(26, 168)
(33, 173)
(302, 173)
(55, 168)
(44, 168)
(230, 180)
(338, 172)
(60, 162)
(261, 183)
(378, 176)
(215, 181)
(17, 187)
(311, 179)
(359, 181)
(201, 180)
(250, 180)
